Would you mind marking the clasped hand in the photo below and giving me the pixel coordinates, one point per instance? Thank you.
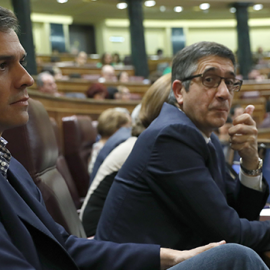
(243, 138)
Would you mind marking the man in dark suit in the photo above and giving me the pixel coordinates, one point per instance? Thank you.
(30, 239)
(173, 189)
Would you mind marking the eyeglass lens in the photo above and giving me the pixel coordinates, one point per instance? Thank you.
(211, 79)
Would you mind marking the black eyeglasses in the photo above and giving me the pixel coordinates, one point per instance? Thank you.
(212, 80)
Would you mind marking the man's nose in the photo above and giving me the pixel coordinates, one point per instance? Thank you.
(24, 78)
(223, 91)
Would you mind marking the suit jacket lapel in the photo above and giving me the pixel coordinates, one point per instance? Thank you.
(214, 167)
(26, 207)
(30, 210)
(14, 226)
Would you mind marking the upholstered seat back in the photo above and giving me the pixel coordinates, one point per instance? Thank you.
(35, 146)
(62, 167)
(79, 137)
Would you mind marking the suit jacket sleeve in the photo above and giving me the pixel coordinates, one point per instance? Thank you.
(93, 254)
(184, 184)
(90, 254)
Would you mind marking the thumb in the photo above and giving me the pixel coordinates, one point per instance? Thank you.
(249, 109)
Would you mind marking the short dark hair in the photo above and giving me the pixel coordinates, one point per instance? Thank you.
(185, 61)
(8, 21)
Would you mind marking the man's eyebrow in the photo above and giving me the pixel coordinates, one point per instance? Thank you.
(213, 68)
(6, 57)
(11, 57)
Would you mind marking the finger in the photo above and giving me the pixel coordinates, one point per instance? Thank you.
(243, 147)
(243, 129)
(249, 109)
(209, 246)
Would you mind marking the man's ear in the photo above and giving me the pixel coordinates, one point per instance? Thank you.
(178, 89)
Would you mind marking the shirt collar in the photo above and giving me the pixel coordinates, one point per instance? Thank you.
(5, 157)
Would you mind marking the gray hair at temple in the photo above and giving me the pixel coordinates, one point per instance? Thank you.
(185, 61)
(39, 79)
(8, 21)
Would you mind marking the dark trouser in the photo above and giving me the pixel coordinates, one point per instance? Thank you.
(225, 257)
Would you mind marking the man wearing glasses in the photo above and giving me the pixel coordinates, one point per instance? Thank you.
(173, 189)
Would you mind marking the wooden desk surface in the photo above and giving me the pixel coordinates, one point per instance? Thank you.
(46, 58)
(92, 69)
(263, 88)
(67, 106)
(81, 86)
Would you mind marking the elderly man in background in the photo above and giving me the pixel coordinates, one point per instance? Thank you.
(108, 74)
(46, 84)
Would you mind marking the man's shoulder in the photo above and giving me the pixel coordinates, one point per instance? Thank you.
(172, 125)
(172, 118)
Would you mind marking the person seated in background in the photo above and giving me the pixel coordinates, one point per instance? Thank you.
(152, 102)
(160, 53)
(46, 84)
(113, 92)
(55, 56)
(106, 59)
(109, 122)
(123, 93)
(258, 56)
(107, 74)
(168, 69)
(97, 91)
(116, 60)
(81, 59)
(123, 77)
(174, 188)
(256, 75)
(31, 239)
(55, 71)
(266, 121)
(122, 134)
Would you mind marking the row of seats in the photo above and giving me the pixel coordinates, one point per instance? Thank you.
(62, 178)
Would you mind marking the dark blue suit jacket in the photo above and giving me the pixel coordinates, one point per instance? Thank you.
(174, 191)
(30, 239)
(121, 135)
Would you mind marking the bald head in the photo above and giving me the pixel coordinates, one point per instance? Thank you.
(107, 73)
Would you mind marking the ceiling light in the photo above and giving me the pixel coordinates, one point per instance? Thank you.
(232, 9)
(121, 5)
(258, 7)
(162, 8)
(204, 6)
(149, 3)
(62, 1)
(178, 9)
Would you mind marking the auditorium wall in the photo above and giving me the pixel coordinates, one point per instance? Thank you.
(112, 35)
